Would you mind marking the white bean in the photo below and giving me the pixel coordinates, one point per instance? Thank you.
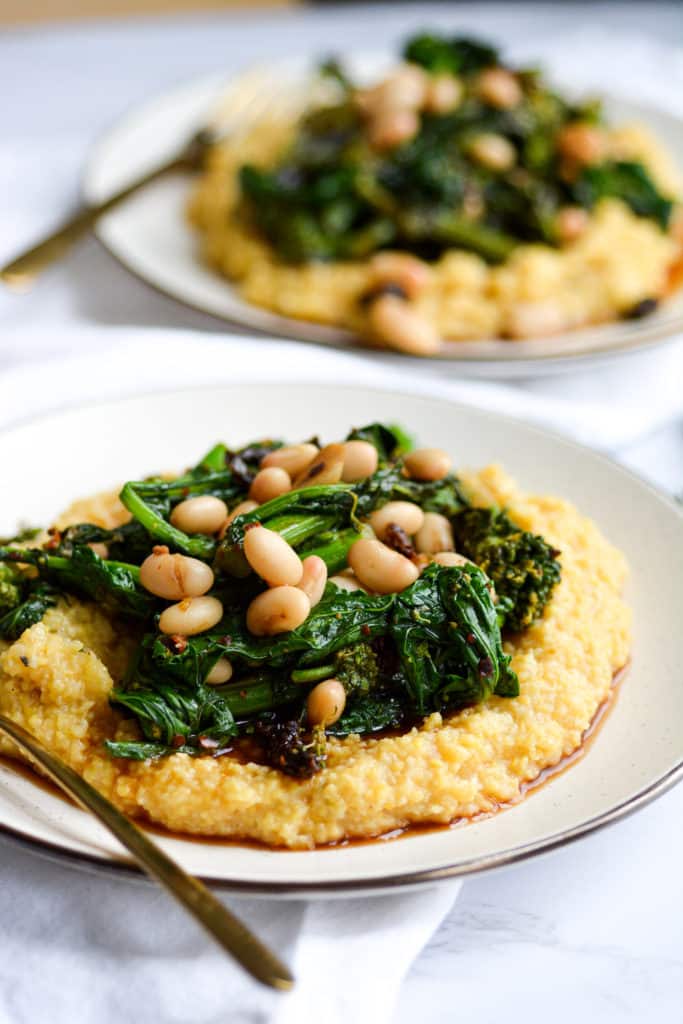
(379, 568)
(394, 321)
(326, 702)
(444, 93)
(326, 468)
(428, 463)
(405, 514)
(400, 268)
(174, 577)
(582, 143)
(360, 460)
(100, 549)
(201, 514)
(220, 673)
(492, 151)
(293, 458)
(271, 557)
(536, 319)
(277, 611)
(346, 581)
(404, 89)
(191, 616)
(270, 483)
(499, 88)
(451, 558)
(314, 578)
(392, 127)
(435, 534)
(571, 222)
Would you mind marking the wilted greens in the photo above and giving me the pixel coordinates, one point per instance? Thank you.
(437, 646)
(334, 194)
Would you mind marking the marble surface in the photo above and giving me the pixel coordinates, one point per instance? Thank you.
(593, 932)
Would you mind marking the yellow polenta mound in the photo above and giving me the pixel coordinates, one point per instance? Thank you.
(55, 680)
(620, 260)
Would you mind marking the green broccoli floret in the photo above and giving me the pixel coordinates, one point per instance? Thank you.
(357, 668)
(522, 566)
(10, 587)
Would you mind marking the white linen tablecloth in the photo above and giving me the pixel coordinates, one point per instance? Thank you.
(602, 920)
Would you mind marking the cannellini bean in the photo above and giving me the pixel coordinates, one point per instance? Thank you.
(270, 483)
(202, 514)
(582, 143)
(535, 319)
(499, 88)
(405, 514)
(293, 458)
(428, 463)
(435, 534)
(175, 576)
(277, 611)
(99, 549)
(239, 510)
(271, 557)
(392, 127)
(313, 579)
(451, 558)
(400, 268)
(393, 321)
(346, 581)
(191, 616)
(360, 460)
(379, 568)
(571, 222)
(444, 93)
(404, 89)
(220, 673)
(326, 468)
(492, 151)
(326, 702)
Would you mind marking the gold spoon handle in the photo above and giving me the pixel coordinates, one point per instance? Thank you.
(227, 930)
(21, 272)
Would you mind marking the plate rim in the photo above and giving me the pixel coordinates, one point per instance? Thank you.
(665, 331)
(391, 882)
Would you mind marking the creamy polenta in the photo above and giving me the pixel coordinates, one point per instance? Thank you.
(55, 680)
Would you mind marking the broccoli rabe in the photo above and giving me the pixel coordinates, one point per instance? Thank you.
(522, 566)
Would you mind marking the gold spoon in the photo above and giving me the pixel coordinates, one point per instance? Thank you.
(226, 929)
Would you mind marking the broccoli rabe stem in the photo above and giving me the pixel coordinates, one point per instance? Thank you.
(257, 693)
(160, 529)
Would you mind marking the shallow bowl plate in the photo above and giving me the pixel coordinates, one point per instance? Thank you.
(150, 235)
(636, 755)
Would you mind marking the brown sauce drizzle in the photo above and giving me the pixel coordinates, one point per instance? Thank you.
(241, 753)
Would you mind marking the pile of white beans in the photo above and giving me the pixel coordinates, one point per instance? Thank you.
(295, 585)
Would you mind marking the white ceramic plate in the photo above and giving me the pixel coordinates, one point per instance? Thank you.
(638, 752)
(150, 235)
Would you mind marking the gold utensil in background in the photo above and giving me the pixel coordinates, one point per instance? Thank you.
(226, 929)
(254, 95)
